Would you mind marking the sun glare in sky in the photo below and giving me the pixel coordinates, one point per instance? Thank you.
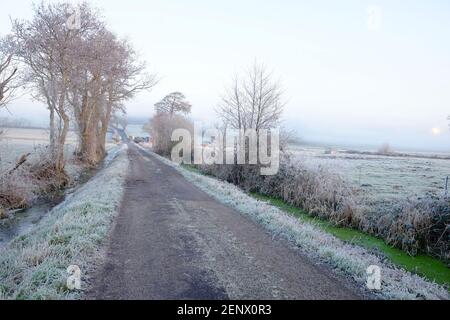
(436, 131)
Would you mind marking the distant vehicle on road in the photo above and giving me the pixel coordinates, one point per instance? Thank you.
(139, 139)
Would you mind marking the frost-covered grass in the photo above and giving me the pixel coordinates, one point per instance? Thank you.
(17, 142)
(427, 266)
(379, 178)
(346, 258)
(14, 142)
(33, 266)
(30, 182)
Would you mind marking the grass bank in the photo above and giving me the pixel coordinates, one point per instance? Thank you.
(431, 268)
(33, 266)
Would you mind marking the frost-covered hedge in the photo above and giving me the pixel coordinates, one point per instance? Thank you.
(33, 266)
(30, 177)
(415, 226)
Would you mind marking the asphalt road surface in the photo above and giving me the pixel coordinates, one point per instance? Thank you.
(173, 241)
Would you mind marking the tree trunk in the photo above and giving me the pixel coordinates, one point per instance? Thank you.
(101, 143)
(89, 145)
(52, 131)
(86, 133)
(60, 160)
(103, 131)
(89, 140)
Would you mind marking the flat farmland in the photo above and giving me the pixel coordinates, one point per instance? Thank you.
(381, 178)
(15, 142)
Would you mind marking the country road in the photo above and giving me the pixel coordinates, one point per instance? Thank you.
(173, 241)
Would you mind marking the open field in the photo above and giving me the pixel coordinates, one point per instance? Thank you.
(15, 142)
(381, 178)
(35, 135)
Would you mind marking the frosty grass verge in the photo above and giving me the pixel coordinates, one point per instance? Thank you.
(346, 258)
(33, 266)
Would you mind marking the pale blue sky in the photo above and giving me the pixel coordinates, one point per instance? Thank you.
(345, 81)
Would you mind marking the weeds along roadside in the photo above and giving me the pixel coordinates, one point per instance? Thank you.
(345, 257)
(416, 226)
(430, 267)
(33, 178)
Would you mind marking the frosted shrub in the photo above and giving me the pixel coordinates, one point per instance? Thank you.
(17, 190)
(420, 225)
(33, 176)
(319, 192)
(45, 173)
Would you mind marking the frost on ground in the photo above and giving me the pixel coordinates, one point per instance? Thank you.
(347, 259)
(15, 142)
(380, 178)
(33, 266)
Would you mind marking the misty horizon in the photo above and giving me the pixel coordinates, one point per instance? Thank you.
(351, 76)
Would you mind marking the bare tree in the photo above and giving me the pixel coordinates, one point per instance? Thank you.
(46, 45)
(161, 127)
(84, 74)
(7, 73)
(174, 102)
(253, 101)
(106, 74)
(170, 115)
(126, 77)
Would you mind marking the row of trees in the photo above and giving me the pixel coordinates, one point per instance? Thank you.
(253, 101)
(83, 72)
